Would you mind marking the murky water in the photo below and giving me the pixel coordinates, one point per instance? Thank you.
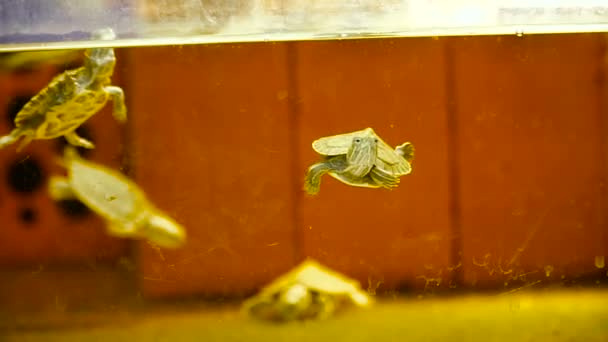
(196, 201)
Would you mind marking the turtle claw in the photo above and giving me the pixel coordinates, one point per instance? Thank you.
(312, 184)
(312, 188)
(77, 140)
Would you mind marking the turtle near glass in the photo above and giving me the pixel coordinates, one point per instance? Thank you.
(309, 291)
(70, 99)
(117, 199)
(359, 159)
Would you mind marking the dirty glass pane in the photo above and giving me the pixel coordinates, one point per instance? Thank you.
(153, 22)
(341, 170)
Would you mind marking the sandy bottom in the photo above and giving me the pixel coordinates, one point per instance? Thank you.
(528, 316)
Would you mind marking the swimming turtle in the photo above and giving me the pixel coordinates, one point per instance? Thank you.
(360, 159)
(70, 99)
(309, 291)
(117, 199)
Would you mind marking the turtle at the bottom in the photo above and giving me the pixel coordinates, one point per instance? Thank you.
(309, 291)
(70, 99)
(117, 199)
(359, 159)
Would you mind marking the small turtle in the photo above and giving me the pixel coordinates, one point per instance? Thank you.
(359, 159)
(70, 99)
(309, 291)
(117, 199)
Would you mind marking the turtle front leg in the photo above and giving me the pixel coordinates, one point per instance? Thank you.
(59, 188)
(118, 98)
(312, 181)
(76, 140)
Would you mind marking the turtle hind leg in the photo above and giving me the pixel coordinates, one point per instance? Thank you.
(11, 138)
(77, 140)
(60, 189)
(406, 150)
(118, 99)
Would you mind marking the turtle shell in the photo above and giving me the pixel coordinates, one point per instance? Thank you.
(60, 107)
(338, 144)
(387, 159)
(107, 192)
(315, 276)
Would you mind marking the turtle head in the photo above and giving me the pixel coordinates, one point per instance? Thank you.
(361, 154)
(164, 231)
(105, 33)
(100, 61)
